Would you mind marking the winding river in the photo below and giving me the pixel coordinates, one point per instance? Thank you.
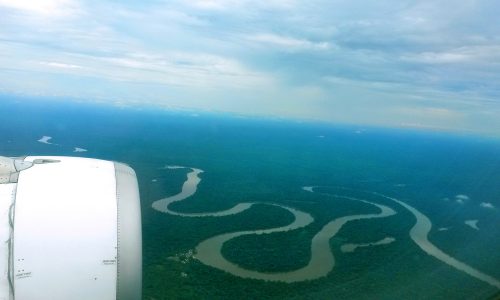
(188, 189)
(419, 234)
(322, 260)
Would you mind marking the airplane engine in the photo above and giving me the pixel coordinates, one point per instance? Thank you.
(71, 229)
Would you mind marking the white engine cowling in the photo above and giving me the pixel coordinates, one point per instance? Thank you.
(72, 229)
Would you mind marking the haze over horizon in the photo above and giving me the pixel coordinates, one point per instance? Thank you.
(425, 64)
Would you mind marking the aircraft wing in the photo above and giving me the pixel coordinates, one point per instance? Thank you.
(72, 228)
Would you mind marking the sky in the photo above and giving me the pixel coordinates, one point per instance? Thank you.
(429, 64)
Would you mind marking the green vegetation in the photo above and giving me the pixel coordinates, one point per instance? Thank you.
(261, 161)
(392, 271)
(278, 252)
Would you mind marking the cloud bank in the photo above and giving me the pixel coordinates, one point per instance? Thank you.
(391, 63)
(487, 205)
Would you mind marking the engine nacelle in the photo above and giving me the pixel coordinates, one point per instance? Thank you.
(72, 228)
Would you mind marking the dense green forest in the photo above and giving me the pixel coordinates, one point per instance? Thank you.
(388, 271)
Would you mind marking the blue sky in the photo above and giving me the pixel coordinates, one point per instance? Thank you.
(425, 64)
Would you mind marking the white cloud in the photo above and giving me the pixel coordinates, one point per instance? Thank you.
(443, 74)
(213, 4)
(289, 43)
(487, 205)
(45, 140)
(431, 112)
(243, 5)
(46, 8)
(472, 224)
(472, 53)
(436, 58)
(461, 198)
(60, 65)
(182, 69)
(170, 68)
